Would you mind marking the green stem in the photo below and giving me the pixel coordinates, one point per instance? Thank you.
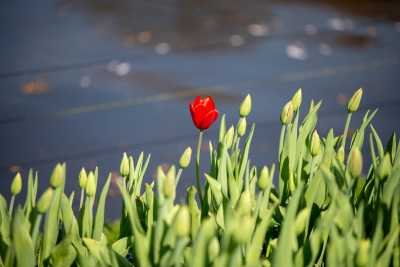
(178, 176)
(36, 229)
(82, 196)
(10, 211)
(198, 180)
(346, 130)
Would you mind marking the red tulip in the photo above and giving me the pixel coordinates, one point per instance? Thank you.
(203, 112)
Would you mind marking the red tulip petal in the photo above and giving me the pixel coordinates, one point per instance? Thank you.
(209, 119)
(209, 103)
(196, 101)
(198, 115)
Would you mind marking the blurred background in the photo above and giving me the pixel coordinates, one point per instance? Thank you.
(84, 80)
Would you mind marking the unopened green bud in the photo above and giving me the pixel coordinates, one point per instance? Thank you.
(245, 202)
(44, 201)
(82, 178)
(229, 137)
(363, 253)
(160, 173)
(245, 107)
(131, 167)
(354, 102)
(169, 183)
(16, 184)
(385, 167)
(263, 180)
(91, 185)
(213, 248)
(124, 166)
(182, 222)
(245, 229)
(301, 220)
(184, 161)
(315, 144)
(287, 113)
(355, 162)
(57, 177)
(340, 154)
(241, 127)
(296, 99)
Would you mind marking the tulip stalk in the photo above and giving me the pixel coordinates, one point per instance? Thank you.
(198, 177)
(10, 210)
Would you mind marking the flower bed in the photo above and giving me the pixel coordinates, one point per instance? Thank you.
(325, 209)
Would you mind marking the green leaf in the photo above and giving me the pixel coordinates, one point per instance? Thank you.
(99, 220)
(22, 242)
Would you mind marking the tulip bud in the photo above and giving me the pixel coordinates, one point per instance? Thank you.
(241, 127)
(263, 180)
(184, 161)
(229, 137)
(169, 183)
(82, 178)
(363, 253)
(131, 168)
(354, 101)
(16, 184)
(160, 173)
(355, 162)
(340, 154)
(213, 248)
(182, 222)
(245, 107)
(245, 229)
(124, 166)
(287, 113)
(301, 220)
(315, 144)
(245, 202)
(57, 177)
(91, 185)
(385, 167)
(296, 100)
(44, 201)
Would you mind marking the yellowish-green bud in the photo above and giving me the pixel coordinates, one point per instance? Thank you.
(124, 166)
(245, 107)
(16, 184)
(160, 173)
(355, 162)
(184, 161)
(287, 113)
(57, 177)
(340, 154)
(296, 99)
(182, 222)
(245, 202)
(245, 229)
(169, 183)
(362, 257)
(44, 201)
(241, 127)
(229, 137)
(131, 167)
(263, 180)
(354, 102)
(385, 167)
(315, 144)
(82, 178)
(91, 185)
(213, 248)
(301, 220)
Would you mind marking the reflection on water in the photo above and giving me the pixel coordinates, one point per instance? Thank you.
(179, 24)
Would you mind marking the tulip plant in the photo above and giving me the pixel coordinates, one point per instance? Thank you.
(320, 204)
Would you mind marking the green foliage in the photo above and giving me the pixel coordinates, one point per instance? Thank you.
(327, 207)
